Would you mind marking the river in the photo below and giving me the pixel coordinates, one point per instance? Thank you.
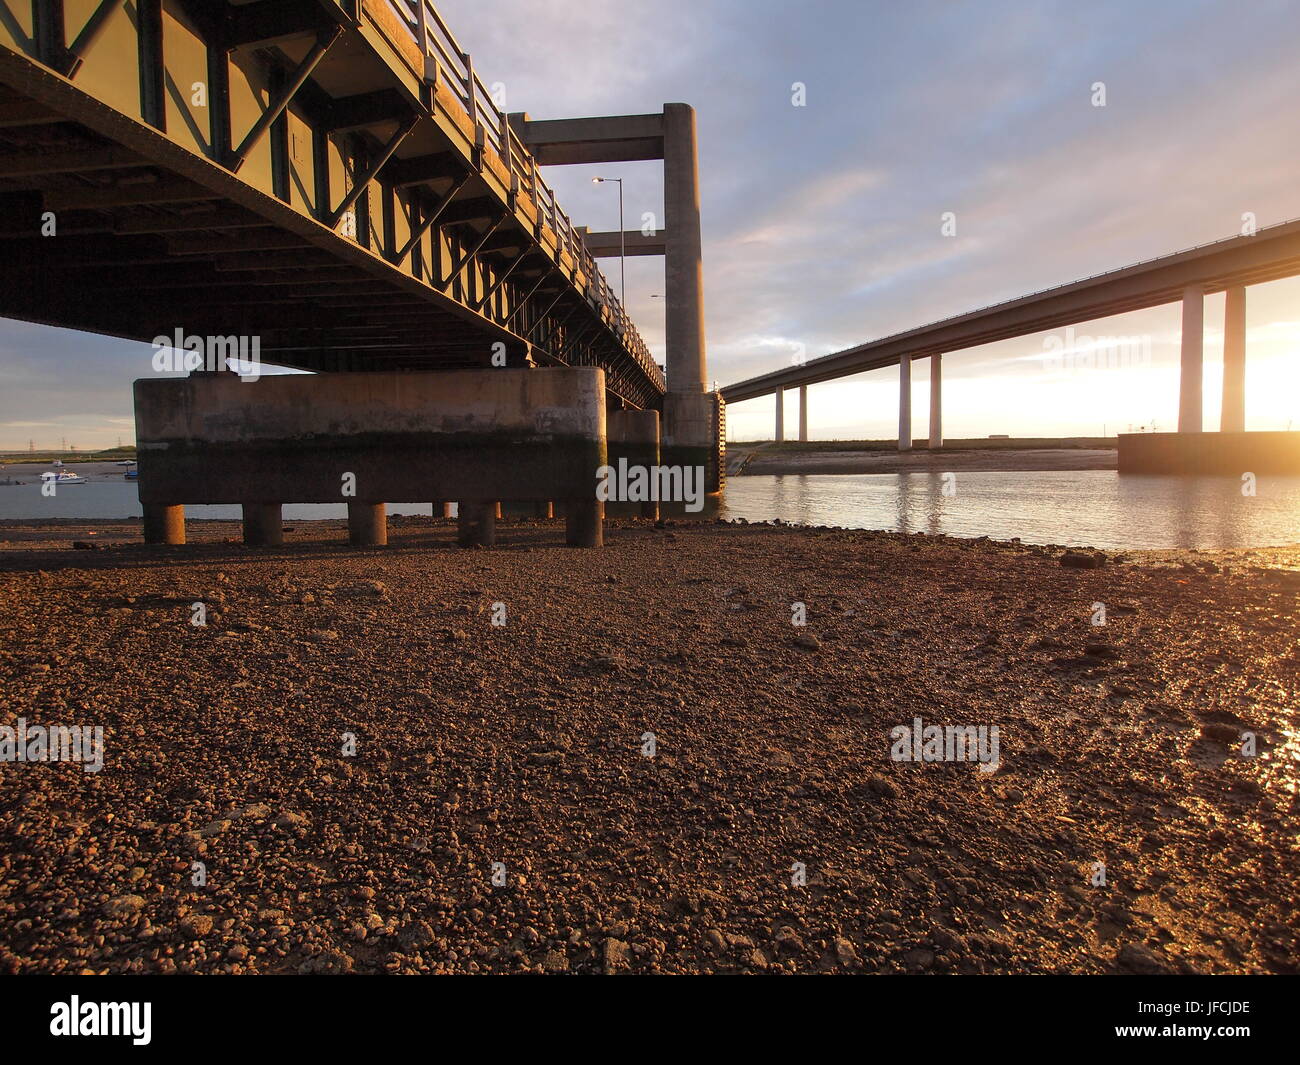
(1079, 507)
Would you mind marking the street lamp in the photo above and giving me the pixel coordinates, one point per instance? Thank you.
(622, 239)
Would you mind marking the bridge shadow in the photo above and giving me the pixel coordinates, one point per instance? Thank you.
(319, 544)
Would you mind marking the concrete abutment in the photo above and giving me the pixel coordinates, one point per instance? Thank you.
(475, 436)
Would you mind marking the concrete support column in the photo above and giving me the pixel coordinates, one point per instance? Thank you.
(544, 510)
(442, 510)
(477, 524)
(779, 434)
(584, 522)
(1190, 385)
(1233, 419)
(905, 403)
(633, 435)
(936, 402)
(691, 434)
(683, 269)
(367, 524)
(164, 524)
(803, 412)
(263, 525)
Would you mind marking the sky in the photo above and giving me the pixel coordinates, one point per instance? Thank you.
(823, 223)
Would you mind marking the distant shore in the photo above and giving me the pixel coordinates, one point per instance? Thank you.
(882, 456)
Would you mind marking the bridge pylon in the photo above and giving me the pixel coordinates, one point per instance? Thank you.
(693, 416)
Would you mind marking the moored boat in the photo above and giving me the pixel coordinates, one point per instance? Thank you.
(63, 477)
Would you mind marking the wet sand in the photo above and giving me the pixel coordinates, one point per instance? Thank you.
(525, 745)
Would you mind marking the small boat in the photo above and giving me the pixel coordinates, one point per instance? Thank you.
(127, 462)
(63, 477)
(132, 475)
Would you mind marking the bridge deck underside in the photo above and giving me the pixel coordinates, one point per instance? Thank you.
(363, 230)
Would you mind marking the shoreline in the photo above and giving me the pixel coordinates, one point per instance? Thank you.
(765, 459)
(524, 745)
(59, 534)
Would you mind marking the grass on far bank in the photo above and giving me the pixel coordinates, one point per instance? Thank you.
(108, 454)
(977, 444)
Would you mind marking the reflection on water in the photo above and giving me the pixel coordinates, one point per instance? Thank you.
(119, 499)
(1081, 507)
(1093, 507)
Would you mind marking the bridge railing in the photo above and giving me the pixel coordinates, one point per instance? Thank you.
(455, 68)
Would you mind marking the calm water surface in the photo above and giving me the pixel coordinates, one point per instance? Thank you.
(1094, 507)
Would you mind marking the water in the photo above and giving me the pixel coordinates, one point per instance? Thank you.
(1080, 507)
(1093, 507)
(120, 499)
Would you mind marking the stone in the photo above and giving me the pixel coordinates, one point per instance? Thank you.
(845, 952)
(1221, 733)
(1139, 958)
(416, 936)
(617, 958)
(882, 786)
(123, 906)
(195, 925)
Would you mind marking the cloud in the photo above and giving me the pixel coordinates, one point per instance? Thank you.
(822, 223)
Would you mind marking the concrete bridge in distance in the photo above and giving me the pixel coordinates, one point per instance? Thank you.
(1229, 266)
(332, 179)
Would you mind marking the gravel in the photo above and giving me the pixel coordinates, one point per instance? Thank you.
(501, 812)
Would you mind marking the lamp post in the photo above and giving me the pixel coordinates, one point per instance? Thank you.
(622, 239)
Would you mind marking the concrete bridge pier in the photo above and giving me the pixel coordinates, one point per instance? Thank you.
(263, 524)
(584, 522)
(779, 433)
(693, 418)
(936, 402)
(634, 435)
(683, 269)
(803, 413)
(477, 524)
(367, 524)
(905, 403)
(544, 511)
(442, 509)
(164, 524)
(1192, 363)
(1233, 419)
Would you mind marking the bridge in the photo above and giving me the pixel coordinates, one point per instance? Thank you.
(332, 179)
(1229, 265)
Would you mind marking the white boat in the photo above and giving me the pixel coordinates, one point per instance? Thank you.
(127, 462)
(62, 477)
